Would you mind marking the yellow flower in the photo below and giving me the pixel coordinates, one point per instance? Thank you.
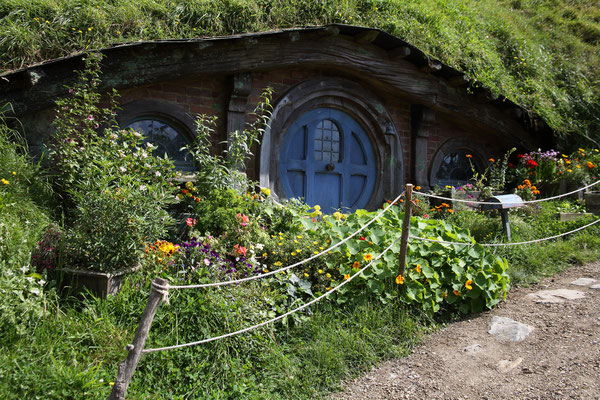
(356, 265)
(578, 166)
(265, 270)
(317, 207)
(346, 277)
(417, 187)
(298, 237)
(4, 181)
(468, 284)
(315, 243)
(297, 250)
(264, 254)
(569, 170)
(265, 191)
(337, 215)
(315, 252)
(90, 28)
(293, 253)
(418, 268)
(329, 288)
(278, 264)
(328, 275)
(305, 275)
(320, 271)
(14, 172)
(368, 257)
(400, 280)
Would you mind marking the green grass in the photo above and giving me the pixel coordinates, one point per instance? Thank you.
(542, 54)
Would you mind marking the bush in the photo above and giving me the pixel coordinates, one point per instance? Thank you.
(115, 190)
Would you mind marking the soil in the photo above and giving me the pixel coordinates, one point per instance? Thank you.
(559, 359)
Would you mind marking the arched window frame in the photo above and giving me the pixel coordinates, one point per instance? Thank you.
(453, 146)
(167, 113)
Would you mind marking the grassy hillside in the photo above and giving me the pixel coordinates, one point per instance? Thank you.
(542, 54)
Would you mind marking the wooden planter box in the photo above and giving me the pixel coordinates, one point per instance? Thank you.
(102, 284)
(592, 202)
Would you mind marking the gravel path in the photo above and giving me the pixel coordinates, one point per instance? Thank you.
(559, 359)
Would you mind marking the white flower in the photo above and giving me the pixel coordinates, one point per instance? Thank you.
(142, 187)
(157, 173)
(137, 134)
(122, 169)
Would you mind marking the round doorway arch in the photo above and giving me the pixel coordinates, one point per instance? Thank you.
(360, 118)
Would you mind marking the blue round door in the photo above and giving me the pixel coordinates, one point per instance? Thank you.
(327, 159)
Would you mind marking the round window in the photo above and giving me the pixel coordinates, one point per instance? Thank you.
(167, 138)
(456, 168)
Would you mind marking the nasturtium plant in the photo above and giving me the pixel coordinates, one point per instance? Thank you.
(437, 275)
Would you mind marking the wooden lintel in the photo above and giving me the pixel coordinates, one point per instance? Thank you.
(329, 31)
(460, 80)
(399, 52)
(366, 36)
(432, 66)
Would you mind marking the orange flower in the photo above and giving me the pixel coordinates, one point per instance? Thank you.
(356, 265)
(417, 187)
(418, 269)
(527, 182)
(468, 156)
(456, 293)
(468, 284)
(491, 160)
(445, 294)
(400, 280)
(590, 164)
(368, 257)
(451, 211)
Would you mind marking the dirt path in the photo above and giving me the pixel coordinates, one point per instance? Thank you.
(559, 359)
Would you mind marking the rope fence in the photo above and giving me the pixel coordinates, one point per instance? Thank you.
(295, 310)
(476, 202)
(160, 287)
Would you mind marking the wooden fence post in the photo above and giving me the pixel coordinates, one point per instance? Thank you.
(127, 367)
(405, 227)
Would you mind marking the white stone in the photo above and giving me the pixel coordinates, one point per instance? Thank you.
(583, 282)
(506, 365)
(597, 286)
(555, 296)
(509, 329)
(474, 348)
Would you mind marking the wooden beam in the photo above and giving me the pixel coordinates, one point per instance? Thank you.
(366, 36)
(399, 53)
(329, 31)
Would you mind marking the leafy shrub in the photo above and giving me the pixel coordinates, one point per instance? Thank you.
(115, 190)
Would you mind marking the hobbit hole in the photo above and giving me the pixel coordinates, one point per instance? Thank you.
(356, 112)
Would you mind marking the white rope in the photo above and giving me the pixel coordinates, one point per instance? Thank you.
(278, 317)
(507, 244)
(471, 202)
(214, 284)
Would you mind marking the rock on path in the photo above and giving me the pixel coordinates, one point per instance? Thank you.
(559, 359)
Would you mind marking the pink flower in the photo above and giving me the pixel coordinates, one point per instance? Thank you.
(425, 215)
(90, 117)
(243, 219)
(190, 222)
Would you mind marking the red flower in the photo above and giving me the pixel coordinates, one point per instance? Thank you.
(532, 164)
(241, 250)
(520, 156)
(362, 238)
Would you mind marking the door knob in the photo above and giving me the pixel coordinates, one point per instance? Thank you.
(330, 167)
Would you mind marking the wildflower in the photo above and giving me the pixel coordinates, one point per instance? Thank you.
(315, 252)
(356, 265)
(243, 218)
(14, 172)
(569, 170)
(362, 238)
(346, 277)
(329, 288)
(469, 155)
(456, 292)
(451, 211)
(278, 263)
(418, 268)
(320, 271)
(417, 187)
(491, 160)
(265, 191)
(4, 181)
(337, 215)
(578, 166)
(190, 222)
(293, 253)
(368, 257)
(531, 164)
(468, 284)
(425, 216)
(590, 165)
(305, 275)
(189, 185)
(444, 295)
(400, 280)
(90, 117)
(328, 275)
